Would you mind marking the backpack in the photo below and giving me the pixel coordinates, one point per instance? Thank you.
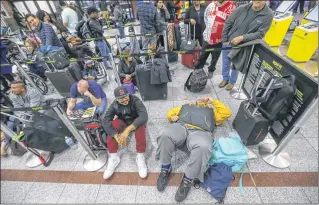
(83, 29)
(196, 81)
(279, 99)
(230, 151)
(217, 178)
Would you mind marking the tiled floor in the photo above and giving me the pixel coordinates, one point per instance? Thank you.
(303, 150)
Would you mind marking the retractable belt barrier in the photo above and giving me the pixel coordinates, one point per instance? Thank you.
(128, 55)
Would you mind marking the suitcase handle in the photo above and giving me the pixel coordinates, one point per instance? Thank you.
(189, 31)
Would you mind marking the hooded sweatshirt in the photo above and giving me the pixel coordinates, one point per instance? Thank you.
(215, 17)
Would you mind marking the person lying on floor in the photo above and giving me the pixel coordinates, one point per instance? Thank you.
(92, 94)
(131, 116)
(126, 69)
(192, 125)
(90, 70)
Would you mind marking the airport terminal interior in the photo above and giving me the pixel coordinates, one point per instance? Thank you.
(73, 73)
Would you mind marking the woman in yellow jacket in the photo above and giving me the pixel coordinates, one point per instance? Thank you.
(191, 125)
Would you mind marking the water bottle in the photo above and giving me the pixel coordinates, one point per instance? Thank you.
(69, 141)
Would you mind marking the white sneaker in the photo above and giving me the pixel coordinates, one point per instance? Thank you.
(114, 160)
(141, 165)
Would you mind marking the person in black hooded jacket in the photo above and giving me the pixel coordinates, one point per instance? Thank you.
(195, 16)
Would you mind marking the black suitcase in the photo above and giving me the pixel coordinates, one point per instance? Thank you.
(62, 80)
(249, 123)
(147, 90)
(172, 57)
(251, 129)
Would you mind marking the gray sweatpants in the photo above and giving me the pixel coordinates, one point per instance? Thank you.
(199, 143)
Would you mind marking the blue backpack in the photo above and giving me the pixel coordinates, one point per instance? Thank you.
(216, 181)
(230, 151)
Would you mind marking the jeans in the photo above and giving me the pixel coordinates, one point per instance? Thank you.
(121, 30)
(140, 137)
(85, 105)
(232, 78)
(104, 51)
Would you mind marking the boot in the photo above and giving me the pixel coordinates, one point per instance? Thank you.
(114, 160)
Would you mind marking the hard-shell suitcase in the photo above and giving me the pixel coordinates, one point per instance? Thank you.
(147, 90)
(190, 60)
(62, 80)
(250, 125)
(251, 129)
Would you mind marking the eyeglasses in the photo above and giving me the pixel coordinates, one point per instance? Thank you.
(122, 99)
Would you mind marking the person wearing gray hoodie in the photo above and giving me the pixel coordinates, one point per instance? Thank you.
(247, 23)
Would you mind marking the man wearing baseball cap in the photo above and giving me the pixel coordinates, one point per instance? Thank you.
(131, 116)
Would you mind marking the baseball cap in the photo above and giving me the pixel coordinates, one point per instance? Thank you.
(91, 10)
(120, 92)
(89, 62)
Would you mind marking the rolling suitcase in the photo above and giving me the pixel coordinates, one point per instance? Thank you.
(250, 125)
(62, 80)
(147, 90)
(190, 59)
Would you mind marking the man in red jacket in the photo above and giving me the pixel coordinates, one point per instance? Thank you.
(215, 17)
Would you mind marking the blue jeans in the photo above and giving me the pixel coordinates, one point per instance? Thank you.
(104, 51)
(85, 105)
(232, 78)
(121, 30)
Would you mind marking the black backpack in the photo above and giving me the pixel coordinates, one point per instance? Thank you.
(196, 81)
(83, 29)
(279, 99)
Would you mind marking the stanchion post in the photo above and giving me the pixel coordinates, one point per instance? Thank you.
(114, 69)
(32, 160)
(62, 115)
(238, 94)
(22, 71)
(118, 43)
(273, 154)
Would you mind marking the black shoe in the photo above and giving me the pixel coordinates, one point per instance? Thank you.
(162, 180)
(210, 74)
(183, 190)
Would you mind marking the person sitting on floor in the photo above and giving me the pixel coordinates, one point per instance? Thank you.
(131, 116)
(92, 94)
(126, 69)
(90, 70)
(192, 126)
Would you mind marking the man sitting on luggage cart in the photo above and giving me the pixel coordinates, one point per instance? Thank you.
(92, 94)
(192, 126)
(131, 116)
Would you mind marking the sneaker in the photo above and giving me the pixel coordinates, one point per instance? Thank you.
(114, 160)
(183, 190)
(229, 86)
(141, 165)
(162, 180)
(222, 84)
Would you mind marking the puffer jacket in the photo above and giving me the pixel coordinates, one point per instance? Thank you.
(221, 112)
